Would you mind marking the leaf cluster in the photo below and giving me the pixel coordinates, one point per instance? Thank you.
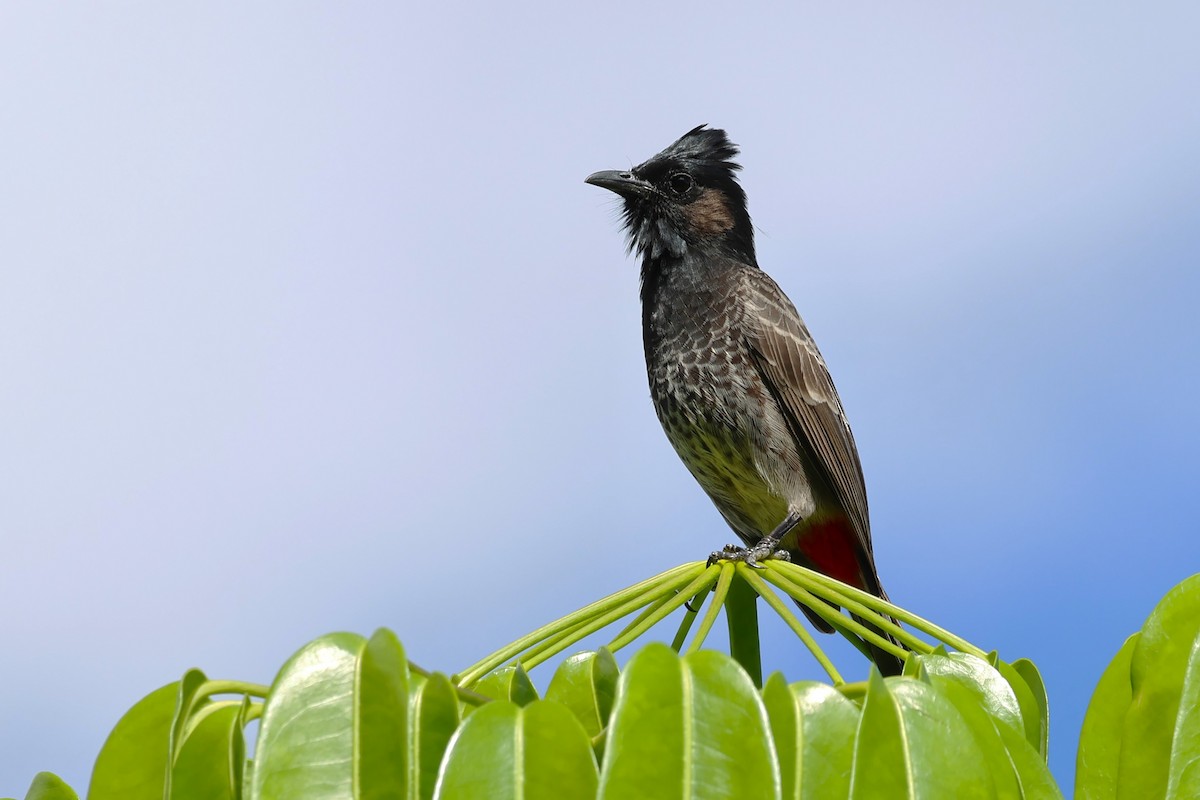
(352, 717)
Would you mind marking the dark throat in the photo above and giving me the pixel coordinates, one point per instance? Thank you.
(708, 265)
(685, 290)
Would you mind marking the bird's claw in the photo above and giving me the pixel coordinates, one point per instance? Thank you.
(728, 552)
(750, 556)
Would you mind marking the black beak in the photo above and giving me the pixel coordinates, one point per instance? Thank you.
(625, 184)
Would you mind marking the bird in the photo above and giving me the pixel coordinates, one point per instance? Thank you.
(742, 392)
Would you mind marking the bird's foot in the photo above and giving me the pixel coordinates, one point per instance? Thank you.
(764, 549)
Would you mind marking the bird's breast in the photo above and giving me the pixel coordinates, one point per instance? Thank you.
(720, 419)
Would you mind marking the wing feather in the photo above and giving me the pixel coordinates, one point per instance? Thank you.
(790, 363)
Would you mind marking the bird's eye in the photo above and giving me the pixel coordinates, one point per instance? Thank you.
(680, 183)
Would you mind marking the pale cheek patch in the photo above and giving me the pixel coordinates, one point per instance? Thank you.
(709, 214)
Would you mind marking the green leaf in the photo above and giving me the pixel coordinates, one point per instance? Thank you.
(186, 700)
(381, 719)
(132, 765)
(741, 615)
(989, 705)
(813, 727)
(239, 763)
(913, 743)
(881, 740)
(1032, 773)
(1033, 679)
(48, 786)
(1184, 777)
(306, 740)
(509, 682)
(1036, 726)
(986, 703)
(435, 718)
(991, 693)
(206, 767)
(1158, 670)
(687, 728)
(586, 683)
(1099, 753)
(335, 724)
(506, 752)
(784, 718)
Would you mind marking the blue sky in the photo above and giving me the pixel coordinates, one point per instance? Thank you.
(308, 322)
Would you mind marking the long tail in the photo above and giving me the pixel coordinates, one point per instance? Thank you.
(888, 663)
(830, 546)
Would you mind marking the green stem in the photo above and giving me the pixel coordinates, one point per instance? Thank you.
(685, 624)
(835, 618)
(565, 638)
(209, 688)
(701, 582)
(465, 695)
(710, 616)
(646, 612)
(254, 711)
(480, 668)
(741, 615)
(655, 598)
(585, 626)
(854, 691)
(879, 605)
(798, 628)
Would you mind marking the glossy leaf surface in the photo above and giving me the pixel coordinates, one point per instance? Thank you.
(509, 682)
(380, 709)
(1183, 779)
(1036, 726)
(1037, 687)
(306, 739)
(506, 752)
(813, 726)
(48, 786)
(691, 727)
(1099, 755)
(208, 764)
(586, 683)
(1150, 749)
(913, 743)
(132, 765)
(435, 717)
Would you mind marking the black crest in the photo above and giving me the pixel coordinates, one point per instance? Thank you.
(658, 221)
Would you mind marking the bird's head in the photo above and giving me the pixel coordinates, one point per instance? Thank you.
(686, 197)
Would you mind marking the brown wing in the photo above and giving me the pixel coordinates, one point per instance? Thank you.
(790, 363)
